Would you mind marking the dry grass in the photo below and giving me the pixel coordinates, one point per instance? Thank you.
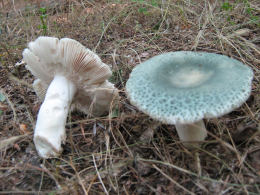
(130, 153)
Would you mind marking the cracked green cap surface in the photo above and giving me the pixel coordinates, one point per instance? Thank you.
(184, 87)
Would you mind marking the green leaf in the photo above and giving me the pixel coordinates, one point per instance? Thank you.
(155, 3)
(255, 18)
(249, 10)
(142, 10)
(2, 97)
(226, 6)
(43, 10)
(115, 112)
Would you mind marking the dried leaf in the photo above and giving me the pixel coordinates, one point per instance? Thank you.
(6, 143)
(255, 157)
(244, 132)
(23, 129)
(21, 62)
(3, 106)
(94, 129)
(147, 135)
(17, 147)
(143, 168)
(242, 32)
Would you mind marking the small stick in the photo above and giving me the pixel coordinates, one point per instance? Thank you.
(168, 177)
(99, 177)
(78, 177)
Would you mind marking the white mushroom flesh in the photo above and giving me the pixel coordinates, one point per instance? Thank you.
(189, 133)
(50, 127)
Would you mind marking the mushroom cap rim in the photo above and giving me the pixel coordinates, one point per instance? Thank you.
(172, 118)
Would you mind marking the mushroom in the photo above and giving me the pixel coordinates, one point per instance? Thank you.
(182, 88)
(68, 76)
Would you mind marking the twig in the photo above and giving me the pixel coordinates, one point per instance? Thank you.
(176, 183)
(99, 177)
(44, 169)
(7, 51)
(78, 177)
(103, 33)
(24, 192)
(10, 104)
(40, 186)
(189, 172)
(198, 163)
(91, 183)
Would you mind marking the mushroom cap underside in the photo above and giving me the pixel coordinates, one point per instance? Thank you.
(185, 87)
(96, 100)
(49, 56)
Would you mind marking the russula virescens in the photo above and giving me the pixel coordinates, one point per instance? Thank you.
(182, 88)
(68, 76)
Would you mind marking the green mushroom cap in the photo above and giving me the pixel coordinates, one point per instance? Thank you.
(184, 87)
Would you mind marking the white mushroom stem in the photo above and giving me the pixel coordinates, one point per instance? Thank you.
(50, 131)
(191, 132)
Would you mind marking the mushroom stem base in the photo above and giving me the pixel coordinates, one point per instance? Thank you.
(192, 132)
(50, 131)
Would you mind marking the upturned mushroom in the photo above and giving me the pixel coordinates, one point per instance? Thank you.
(68, 76)
(182, 88)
